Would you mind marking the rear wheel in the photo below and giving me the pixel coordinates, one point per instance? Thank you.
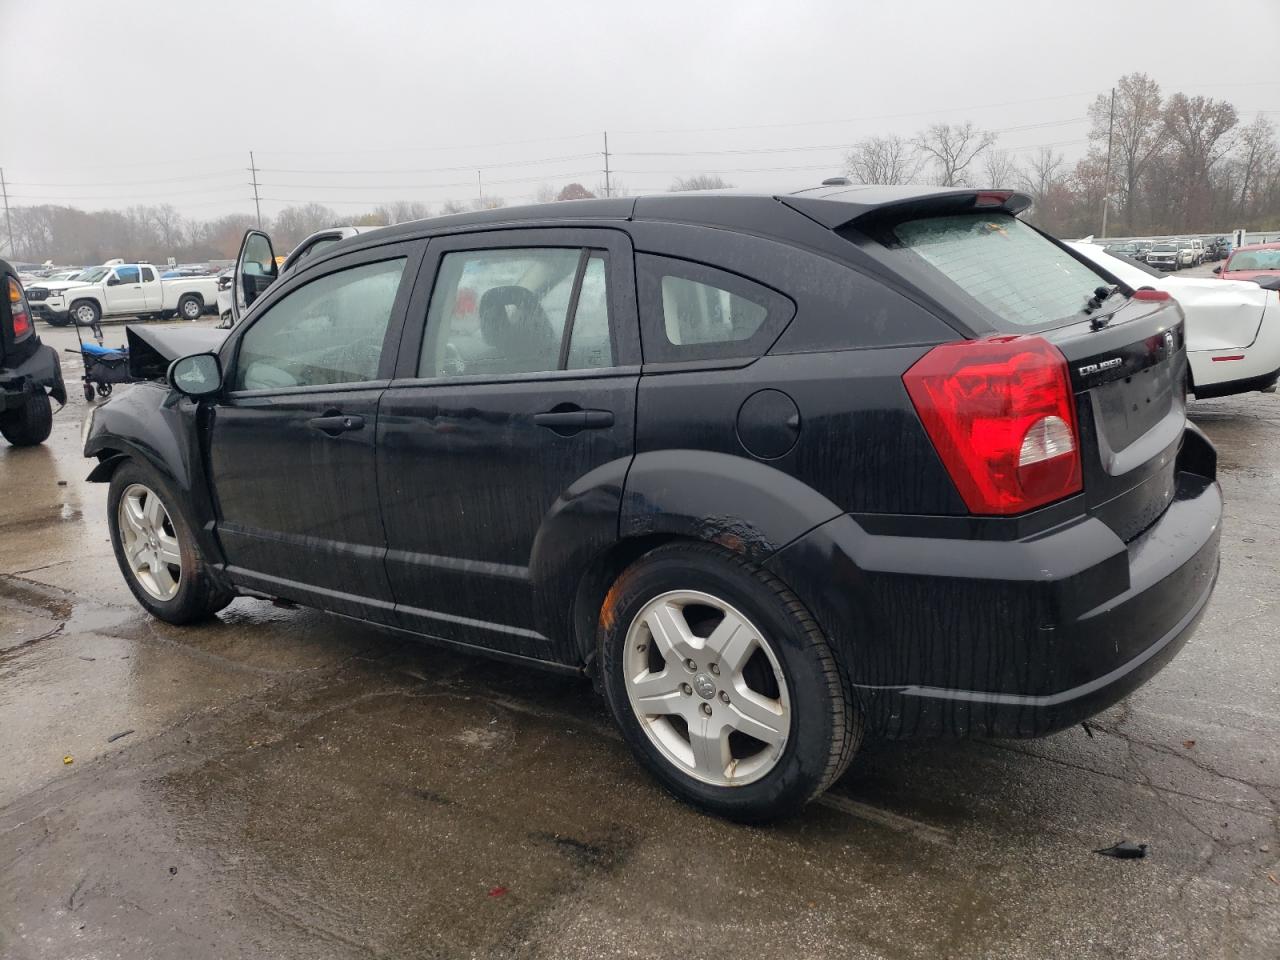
(156, 550)
(30, 423)
(723, 685)
(190, 307)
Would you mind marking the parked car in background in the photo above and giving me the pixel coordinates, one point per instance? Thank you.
(1197, 251)
(1164, 255)
(1247, 263)
(1126, 249)
(1233, 329)
(776, 469)
(1141, 249)
(30, 372)
(126, 290)
(225, 279)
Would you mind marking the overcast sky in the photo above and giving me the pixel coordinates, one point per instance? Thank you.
(351, 104)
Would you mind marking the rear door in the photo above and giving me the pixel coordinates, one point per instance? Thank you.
(292, 442)
(520, 384)
(152, 291)
(123, 291)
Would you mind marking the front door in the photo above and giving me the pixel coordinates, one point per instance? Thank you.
(123, 293)
(292, 443)
(522, 384)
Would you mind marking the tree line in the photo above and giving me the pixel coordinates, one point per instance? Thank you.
(1178, 164)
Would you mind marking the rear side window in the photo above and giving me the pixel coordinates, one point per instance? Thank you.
(148, 275)
(1003, 264)
(694, 312)
(498, 312)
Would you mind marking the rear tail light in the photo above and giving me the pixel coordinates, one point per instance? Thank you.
(1001, 415)
(18, 310)
(1147, 293)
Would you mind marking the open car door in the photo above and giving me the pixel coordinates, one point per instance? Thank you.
(256, 270)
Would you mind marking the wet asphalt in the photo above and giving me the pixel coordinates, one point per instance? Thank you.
(296, 785)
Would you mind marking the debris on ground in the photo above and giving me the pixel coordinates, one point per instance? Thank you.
(1188, 744)
(67, 759)
(117, 736)
(498, 891)
(1087, 729)
(1125, 850)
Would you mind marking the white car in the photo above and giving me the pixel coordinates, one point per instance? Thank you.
(126, 290)
(1233, 326)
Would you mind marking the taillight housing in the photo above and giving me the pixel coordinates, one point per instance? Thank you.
(1001, 415)
(18, 310)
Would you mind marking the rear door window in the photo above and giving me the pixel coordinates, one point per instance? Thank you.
(1022, 278)
(691, 311)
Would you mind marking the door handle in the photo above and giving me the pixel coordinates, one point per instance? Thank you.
(333, 424)
(574, 419)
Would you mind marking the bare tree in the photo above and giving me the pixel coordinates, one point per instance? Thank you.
(402, 211)
(616, 188)
(545, 193)
(699, 181)
(1000, 169)
(450, 207)
(293, 224)
(1258, 157)
(1138, 135)
(487, 203)
(887, 160)
(951, 148)
(1203, 131)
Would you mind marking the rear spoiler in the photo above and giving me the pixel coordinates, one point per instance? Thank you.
(834, 213)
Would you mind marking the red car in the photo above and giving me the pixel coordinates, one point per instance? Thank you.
(1247, 263)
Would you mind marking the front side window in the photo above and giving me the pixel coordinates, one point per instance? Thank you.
(327, 332)
(1003, 264)
(499, 312)
(127, 274)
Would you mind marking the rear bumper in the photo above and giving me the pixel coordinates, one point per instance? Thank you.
(1013, 638)
(41, 370)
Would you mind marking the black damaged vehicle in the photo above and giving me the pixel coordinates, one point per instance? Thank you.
(776, 471)
(30, 372)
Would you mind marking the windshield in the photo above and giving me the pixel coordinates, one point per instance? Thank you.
(1003, 264)
(94, 274)
(1255, 260)
(1164, 248)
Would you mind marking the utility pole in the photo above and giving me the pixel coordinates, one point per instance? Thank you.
(4, 189)
(1106, 183)
(480, 187)
(257, 204)
(607, 185)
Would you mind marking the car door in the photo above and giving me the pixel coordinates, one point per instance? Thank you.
(255, 272)
(123, 291)
(521, 383)
(152, 292)
(291, 447)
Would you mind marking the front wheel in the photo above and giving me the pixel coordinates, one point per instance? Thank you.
(29, 424)
(86, 313)
(723, 685)
(156, 549)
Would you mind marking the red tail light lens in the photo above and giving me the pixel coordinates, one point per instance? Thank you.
(1146, 293)
(1002, 417)
(18, 308)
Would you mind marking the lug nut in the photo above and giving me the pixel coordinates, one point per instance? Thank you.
(724, 696)
(690, 664)
(686, 689)
(706, 708)
(715, 669)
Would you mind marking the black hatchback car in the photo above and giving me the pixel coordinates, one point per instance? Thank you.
(775, 470)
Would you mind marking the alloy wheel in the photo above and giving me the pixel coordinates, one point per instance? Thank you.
(150, 542)
(707, 688)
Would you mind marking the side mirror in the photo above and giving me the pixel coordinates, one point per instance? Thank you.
(113, 281)
(1217, 269)
(197, 376)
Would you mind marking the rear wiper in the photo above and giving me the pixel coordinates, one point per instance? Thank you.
(1100, 296)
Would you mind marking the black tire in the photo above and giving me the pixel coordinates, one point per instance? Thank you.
(191, 307)
(93, 306)
(199, 595)
(30, 423)
(58, 323)
(104, 390)
(88, 392)
(825, 723)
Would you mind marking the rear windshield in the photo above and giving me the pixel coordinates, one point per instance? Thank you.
(1255, 260)
(1005, 265)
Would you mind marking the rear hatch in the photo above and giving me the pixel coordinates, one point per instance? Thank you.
(992, 275)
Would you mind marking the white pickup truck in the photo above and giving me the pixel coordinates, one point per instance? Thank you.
(126, 290)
